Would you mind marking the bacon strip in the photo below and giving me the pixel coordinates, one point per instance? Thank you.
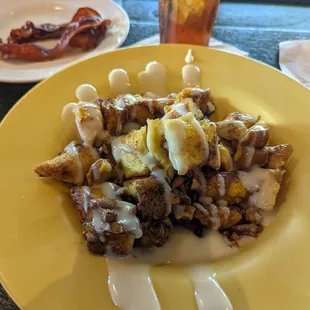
(84, 31)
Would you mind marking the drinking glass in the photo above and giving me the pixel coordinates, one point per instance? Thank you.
(187, 21)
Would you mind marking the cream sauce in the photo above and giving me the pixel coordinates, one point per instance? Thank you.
(86, 93)
(153, 79)
(191, 76)
(211, 211)
(221, 185)
(119, 81)
(174, 135)
(110, 190)
(261, 184)
(130, 283)
(202, 135)
(250, 151)
(99, 225)
(130, 126)
(148, 159)
(209, 248)
(126, 218)
(190, 72)
(89, 121)
(86, 195)
(68, 119)
(208, 293)
(162, 177)
(130, 286)
(71, 148)
(225, 127)
(189, 58)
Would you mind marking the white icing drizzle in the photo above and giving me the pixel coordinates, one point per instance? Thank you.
(179, 108)
(225, 126)
(99, 225)
(189, 59)
(130, 126)
(222, 203)
(212, 213)
(87, 118)
(67, 115)
(174, 135)
(130, 283)
(95, 169)
(191, 75)
(153, 79)
(250, 151)
(202, 137)
(126, 218)
(148, 159)
(221, 185)
(72, 149)
(110, 190)
(208, 293)
(162, 177)
(89, 121)
(149, 95)
(119, 81)
(190, 72)
(261, 184)
(205, 200)
(68, 119)
(131, 287)
(177, 249)
(86, 195)
(86, 93)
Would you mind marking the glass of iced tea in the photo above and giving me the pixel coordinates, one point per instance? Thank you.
(187, 21)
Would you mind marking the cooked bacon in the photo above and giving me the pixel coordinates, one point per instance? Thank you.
(84, 31)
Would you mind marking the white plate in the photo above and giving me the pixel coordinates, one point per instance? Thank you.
(14, 13)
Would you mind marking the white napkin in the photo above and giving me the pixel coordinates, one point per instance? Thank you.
(294, 60)
(216, 44)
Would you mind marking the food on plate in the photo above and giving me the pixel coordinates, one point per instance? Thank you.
(144, 164)
(84, 31)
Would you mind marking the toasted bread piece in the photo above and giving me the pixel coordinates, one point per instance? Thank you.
(183, 212)
(262, 185)
(247, 120)
(155, 233)
(108, 243)
(71, 166)
(225, 186)
(279, 156)
(257, 135)
(226, 160)
(132, 153)
(139, 112)
(231, 129)
(182, 108)
(202, 97)
(155, 142)
(248, 156)
(209, 128)
(113, 115)
(187, 143)
(149, 193)
(99, 172)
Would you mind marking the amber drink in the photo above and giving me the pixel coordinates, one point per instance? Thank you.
(187, 21)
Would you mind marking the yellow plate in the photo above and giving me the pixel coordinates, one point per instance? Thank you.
(44, 263)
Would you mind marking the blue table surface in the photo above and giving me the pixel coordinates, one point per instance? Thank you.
(255, 27)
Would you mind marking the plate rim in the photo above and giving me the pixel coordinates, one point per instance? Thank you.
(84, 57)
